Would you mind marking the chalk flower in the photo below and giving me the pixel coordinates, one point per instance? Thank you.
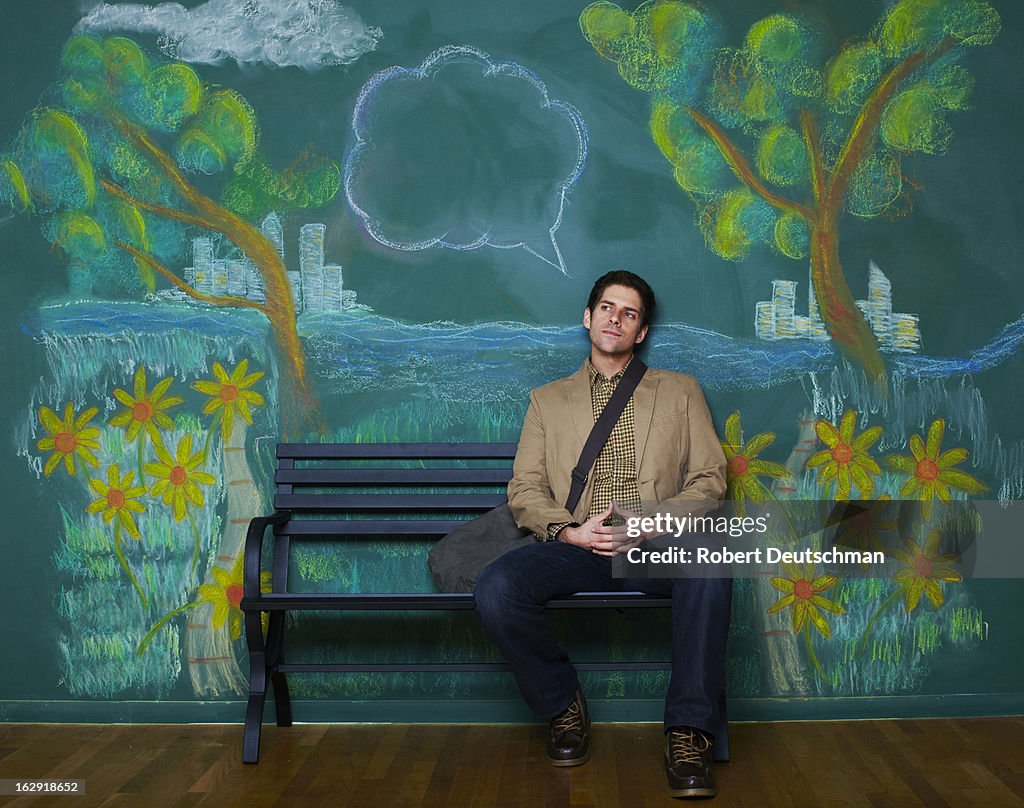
(864, 531)
(802, 593)
(145, 410)
(931, 470)
(68, 437)
(177, 478)
(118, 498)
(743, 466)
(846, 461)
(924, 566)
(230, 395)
(225, 595)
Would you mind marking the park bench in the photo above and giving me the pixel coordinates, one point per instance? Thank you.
(409, 491)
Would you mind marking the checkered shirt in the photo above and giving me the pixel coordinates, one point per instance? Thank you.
(614, 472)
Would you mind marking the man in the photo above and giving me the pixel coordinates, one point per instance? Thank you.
(663, 450)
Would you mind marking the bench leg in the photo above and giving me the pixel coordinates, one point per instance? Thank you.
(253, 725)
(282, 700)
(275, 652)
(721, 748)
(257, 688)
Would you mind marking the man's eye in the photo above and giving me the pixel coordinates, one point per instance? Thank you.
(631, 314)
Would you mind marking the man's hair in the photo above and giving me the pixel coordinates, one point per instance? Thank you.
(623, 277)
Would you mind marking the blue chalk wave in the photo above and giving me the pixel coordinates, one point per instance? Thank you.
(358, 349)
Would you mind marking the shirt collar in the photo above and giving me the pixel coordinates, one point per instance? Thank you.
(596, 376)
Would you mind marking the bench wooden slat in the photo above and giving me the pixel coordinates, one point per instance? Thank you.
(451, 667)
(394, 503)
(428, 528)
(385, 477)
(388, 601)
(417, 451)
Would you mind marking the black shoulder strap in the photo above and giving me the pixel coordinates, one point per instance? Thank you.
(603, 429)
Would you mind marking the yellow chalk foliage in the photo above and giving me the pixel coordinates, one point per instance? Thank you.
(78, 234)
(667, 128)
(608, 28)
(124, 62)
(973, 22)
(176, 93)
(51, 129)
(644, 43)
(852, 75)
(792, 236)
(724, 231)
(18, 183)
(782, 156)
(695, 158)
(777, 38)
(909, 25)
(83, 56)
(954, 85)
(132, 224)
(876, 186)
(669, 25)
(913, 121)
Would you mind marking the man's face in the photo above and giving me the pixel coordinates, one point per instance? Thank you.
(614, 324)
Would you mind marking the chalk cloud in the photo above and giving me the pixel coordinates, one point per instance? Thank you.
(309, 34)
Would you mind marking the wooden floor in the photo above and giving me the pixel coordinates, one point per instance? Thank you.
(933, 762)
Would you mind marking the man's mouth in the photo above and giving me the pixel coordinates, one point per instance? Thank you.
(611, 333)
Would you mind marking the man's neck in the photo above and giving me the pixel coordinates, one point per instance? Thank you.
(608, 365)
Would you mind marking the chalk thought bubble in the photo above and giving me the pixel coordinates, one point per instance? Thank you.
(464, 152)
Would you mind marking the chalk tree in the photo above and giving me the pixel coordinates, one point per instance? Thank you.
(774, 144)
(129, 155)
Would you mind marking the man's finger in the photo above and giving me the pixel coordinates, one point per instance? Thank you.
(611, 530)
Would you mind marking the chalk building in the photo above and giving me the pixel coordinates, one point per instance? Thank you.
(315, 286)
(896, 332)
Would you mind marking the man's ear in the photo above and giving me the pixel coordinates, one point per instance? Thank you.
(586, 317)
(641, 334)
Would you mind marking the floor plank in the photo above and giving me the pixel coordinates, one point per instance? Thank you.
(923, 762)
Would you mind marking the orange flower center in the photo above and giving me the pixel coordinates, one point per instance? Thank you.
(228, 392)
(927, 469)
(234, 594)
(803, 589)
(738, 465)
(142, 411)
(64, 442)
(178, 475)
(115, 498)
(842, 453)
(923, 566)
(861, 523)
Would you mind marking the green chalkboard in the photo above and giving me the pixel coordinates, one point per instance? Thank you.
(380, 222)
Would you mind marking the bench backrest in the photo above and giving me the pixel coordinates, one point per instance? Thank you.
(394, 489)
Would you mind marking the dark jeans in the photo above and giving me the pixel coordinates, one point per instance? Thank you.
(510, 597)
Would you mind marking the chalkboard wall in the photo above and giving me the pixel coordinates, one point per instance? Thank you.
(380, 222)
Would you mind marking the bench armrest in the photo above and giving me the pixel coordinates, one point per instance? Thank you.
(254, 550)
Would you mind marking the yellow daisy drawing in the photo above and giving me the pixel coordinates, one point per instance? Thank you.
(68, 438)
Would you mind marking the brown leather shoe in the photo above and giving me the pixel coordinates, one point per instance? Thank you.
(569, 736)
(688, 756)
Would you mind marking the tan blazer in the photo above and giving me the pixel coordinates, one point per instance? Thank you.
(680, 463)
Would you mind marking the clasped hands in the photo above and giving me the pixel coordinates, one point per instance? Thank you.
(606, 540)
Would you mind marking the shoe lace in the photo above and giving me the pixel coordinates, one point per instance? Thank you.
(571, 720)
(687, 746)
